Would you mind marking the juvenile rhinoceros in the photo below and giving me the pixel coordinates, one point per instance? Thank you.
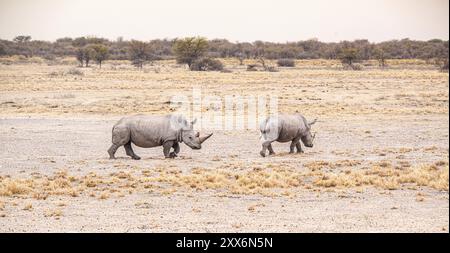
(285, 128)
(149, 131)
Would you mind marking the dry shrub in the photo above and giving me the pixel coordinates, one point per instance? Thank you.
(75, 72)
(10, 187)
(206, 64)
(252, 67)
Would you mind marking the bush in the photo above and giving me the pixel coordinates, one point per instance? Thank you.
(442, 63)
(356, 66)
(252, 67)
(348, 57)
(286, 63)
(75, 72)
(206, 64)
(271, 69)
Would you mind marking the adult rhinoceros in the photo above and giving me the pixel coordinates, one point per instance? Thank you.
(149, 131)
(285, 128)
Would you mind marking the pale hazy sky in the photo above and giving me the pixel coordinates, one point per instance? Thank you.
(235, 20)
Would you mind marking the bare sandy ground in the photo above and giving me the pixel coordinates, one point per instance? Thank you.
(379, 164)
(46, 145)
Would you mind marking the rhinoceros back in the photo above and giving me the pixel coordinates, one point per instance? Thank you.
(283, 128)
(148, 130)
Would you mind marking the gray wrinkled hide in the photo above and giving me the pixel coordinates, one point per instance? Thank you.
(149, 131)
(285, 128)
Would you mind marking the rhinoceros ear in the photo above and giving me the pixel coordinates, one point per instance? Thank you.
(194, 121)
(197, 134)
(312, 122)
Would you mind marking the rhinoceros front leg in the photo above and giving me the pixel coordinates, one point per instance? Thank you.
(130, 151)
(299, 147)
(271, 152)
(294, 145)
(176, 149)
(166, 149)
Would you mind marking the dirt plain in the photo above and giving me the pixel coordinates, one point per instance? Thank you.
(379, 163)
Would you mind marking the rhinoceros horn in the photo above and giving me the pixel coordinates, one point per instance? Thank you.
(204, 138)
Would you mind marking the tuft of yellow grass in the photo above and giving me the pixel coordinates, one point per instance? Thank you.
(318, 165)
(104, 195)
(388, 177)
(53, 213)
(28, 207)
(9, 187)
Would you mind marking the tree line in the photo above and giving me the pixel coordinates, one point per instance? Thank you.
(87, 49)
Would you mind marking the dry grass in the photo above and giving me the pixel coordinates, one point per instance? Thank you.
(387, 177)
(247, 182)
(28, 207)
(278, 179)
(53, 213)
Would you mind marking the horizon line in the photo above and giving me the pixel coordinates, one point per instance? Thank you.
(229, 40)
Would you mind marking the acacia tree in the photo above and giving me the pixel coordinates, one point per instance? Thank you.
(381, 56)
(2, 49)
(89, 54)
(139, 53)
(23, 47)
(100, 53)
(22, 39)
(79, 54)
(190, 49)
(348, 56)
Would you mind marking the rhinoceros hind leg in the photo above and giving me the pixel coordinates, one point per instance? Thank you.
(130, 151)
(265, 146)
(112, 150)
(120, 136)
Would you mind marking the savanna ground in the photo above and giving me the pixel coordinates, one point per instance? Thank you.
(379, 164)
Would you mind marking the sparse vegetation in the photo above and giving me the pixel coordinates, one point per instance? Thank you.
(433, 51)
(286, 63)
